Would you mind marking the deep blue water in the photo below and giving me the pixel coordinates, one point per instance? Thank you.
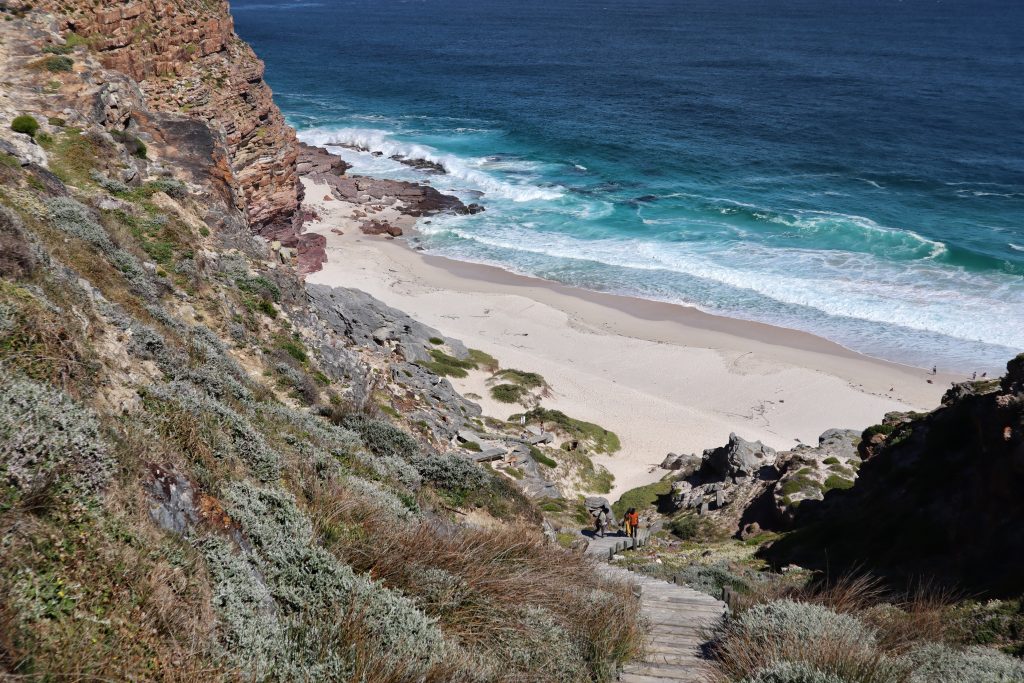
(854, 169)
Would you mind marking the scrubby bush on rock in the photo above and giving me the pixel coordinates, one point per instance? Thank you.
(381, 438)
(25, 124)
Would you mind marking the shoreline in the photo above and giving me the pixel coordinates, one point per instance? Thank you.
(663, 376)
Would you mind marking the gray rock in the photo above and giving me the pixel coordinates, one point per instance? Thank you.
(719, 499)
(465, 435)
(738, 458)
(370, 322)
(489, 455)
(703, 508)
(172, 501)
(839, 443)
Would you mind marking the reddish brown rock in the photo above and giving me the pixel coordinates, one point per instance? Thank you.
(217, 78)
(318, 160)
(380, 228)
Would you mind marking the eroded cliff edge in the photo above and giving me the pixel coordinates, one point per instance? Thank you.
(187, 59)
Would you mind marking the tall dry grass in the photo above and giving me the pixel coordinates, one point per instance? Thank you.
(499, 573)
(897, 622)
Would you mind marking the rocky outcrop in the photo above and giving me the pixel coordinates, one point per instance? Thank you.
(187, 60)
(313, 160)
(939, 497)
(370, 322)
(738, 459)
(745, 483)
(414, 198)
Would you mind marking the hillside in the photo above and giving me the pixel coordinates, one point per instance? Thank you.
(210, 472)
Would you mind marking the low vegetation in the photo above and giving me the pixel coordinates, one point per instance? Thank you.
(596, 437)
(183, 489)
(25, 124)
(642, 497)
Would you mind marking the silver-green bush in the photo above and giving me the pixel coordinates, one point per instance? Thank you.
(938, 663)
(303, 578)
(801, 622)
(247, 443)
(44, 433)
(793, 672)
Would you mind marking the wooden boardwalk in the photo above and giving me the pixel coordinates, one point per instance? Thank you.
(678, 619)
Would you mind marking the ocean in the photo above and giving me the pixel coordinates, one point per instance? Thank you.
(851, 169)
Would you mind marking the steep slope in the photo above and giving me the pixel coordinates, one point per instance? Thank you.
(207, 472)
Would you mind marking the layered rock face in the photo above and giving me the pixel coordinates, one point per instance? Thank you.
(187, 59)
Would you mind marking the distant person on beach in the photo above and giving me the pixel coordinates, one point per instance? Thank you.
(974, 375)
(935, 369)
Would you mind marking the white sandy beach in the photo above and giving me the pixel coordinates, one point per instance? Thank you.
(663, 377)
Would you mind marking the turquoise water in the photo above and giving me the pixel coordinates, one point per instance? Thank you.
(852, 171)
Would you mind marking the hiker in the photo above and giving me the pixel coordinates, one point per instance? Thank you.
(633, 520)
(974, 375)
(602, 521)
(935, 369)
(625, 522)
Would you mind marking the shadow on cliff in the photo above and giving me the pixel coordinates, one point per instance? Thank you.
(941, 499)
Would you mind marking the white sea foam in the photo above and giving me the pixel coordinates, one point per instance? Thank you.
(1015, 247)
(918, 296)
(467, 171)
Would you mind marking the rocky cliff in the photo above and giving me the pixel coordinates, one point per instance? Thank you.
(939, 496)
(187, 59)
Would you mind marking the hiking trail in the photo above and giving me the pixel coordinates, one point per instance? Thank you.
(678, 617)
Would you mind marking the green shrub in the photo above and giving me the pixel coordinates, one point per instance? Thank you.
(260, 286)
(831, 460)
(712, 578)
(483, 360)
(938, 663)
(472, 446)
(543, 459)
(136, 147)
(170, 187)
(602, 440)
(508, 393)
(835, 481)
(58, 63)
(266, 307)
(57, 49)
(294, 349)
(448, 366)
(527, 380)
(381, 438)
(436, 341)
(25, 124)
(685, 527)
(451, 473)
(800, 484)
(641, 497)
